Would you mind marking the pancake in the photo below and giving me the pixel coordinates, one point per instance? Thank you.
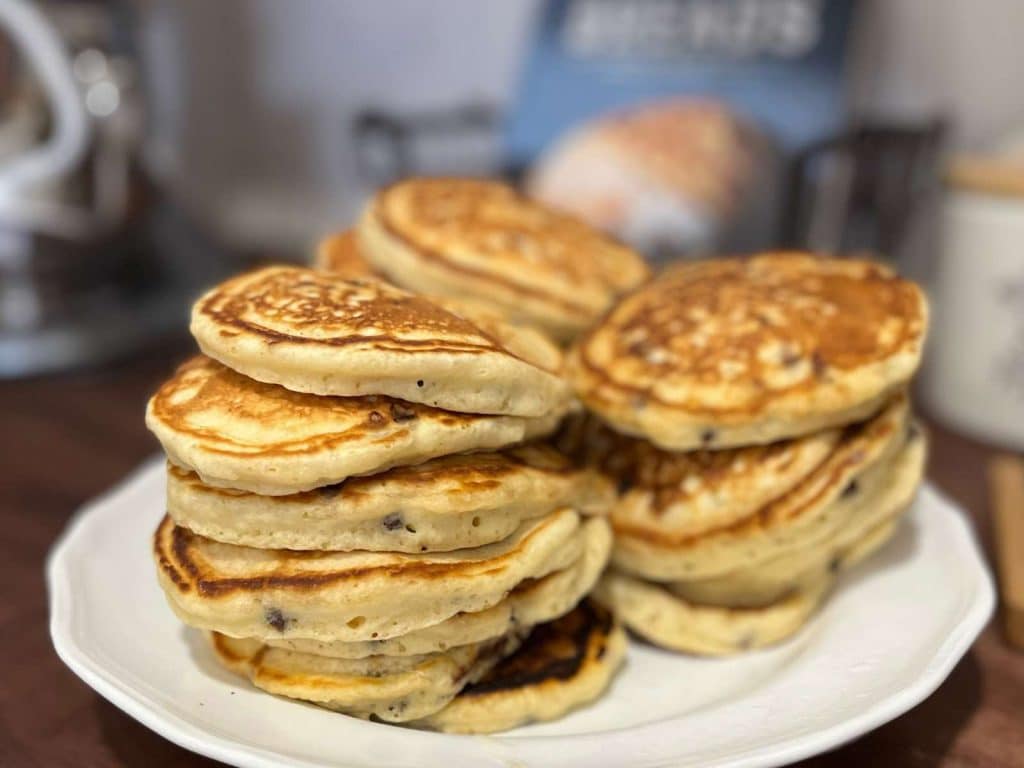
(875, 502)
(652, 612)
(533, 601)
(734, 352)
(689, 493)
(454, 502)
(236, 432)
(340, 253)
(469, 238)
(560, 666)
(327, 334)
(802, 516)
(669, 620)
(392, 689)
(350, 596)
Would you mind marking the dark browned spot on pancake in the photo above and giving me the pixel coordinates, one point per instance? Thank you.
(402, 412)
(329, 491)
(410, 529)
(419, 382)
(392, 522)
(851, 489)
(746, 641)
(376, 418)
(819, 364)
(790, 358)
(707, 437)
(834, 564)
(553, 651)
(276, 619)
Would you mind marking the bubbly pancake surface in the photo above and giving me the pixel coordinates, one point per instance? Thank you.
(350, 596)
(239, 433)
(561, 665)
(741, 351)
(330, 334)
(447, 503)
(474, 238)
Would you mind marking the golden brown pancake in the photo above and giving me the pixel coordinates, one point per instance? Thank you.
(693, 492)
(351, 596)
(389, 689)
(452, 502)
(733, 352)
(340, 253)
(562, 665)
(327, 334)
(529, 603)
(872, 502)
(793, 519)
(468, 238)
(236, 432)
(653, 612)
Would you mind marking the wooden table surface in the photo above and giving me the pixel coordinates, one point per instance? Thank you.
(64, 439)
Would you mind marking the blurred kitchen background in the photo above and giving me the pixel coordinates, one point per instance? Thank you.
(148, 147)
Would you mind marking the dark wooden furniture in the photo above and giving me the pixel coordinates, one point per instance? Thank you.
(67, 438)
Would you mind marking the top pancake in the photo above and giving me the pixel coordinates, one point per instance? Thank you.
(330, 335)
(733, 352)
(474, 238)
(236, 432)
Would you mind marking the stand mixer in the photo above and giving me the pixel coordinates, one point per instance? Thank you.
(94, 260)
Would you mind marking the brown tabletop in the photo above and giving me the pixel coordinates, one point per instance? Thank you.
(64, 439)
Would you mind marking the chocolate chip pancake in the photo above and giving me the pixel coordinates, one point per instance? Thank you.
(652, 612)
(328, 334)
(561, 666)
(666, 615)
(453, 502)
(474, 238)
(531, 602)
(689, 493)
(872, 503)
(391, 689)
(805, 514)
(350, 596)
(239, 433)
(734, 352)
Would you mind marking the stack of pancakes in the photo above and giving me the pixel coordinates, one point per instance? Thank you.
(355, 514)
(483, 241)
(755, 413)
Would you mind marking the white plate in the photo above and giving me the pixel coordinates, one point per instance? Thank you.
(892, 632)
